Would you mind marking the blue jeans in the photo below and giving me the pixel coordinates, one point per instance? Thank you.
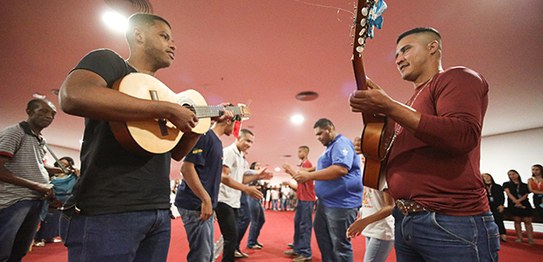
(303, 227)
(49, 226)
(18, 224)
(199, 235)
(377, 250)
(129, 236)
(257, 220)
(427, 236)
(330, 230)
(243, 218)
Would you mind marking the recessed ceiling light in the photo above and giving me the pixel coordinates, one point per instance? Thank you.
(297, 119)
(307, 96)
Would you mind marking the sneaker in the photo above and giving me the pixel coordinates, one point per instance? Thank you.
(255, 246)
(291, 245)
(57, 240)
(290, 253)
(301, 258)
(40, 243)
(260, 244)
(239, 254)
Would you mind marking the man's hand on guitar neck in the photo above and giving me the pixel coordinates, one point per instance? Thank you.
(182, 118)
(225, 114)
(374, 100)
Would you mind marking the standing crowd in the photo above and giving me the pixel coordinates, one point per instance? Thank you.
(432, 203)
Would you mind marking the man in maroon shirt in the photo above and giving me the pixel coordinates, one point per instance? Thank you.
(303, 218)
(433, 171)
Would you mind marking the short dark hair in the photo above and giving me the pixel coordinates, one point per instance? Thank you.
(34, 103)
(306, 148)
(322, 123)
(146, 18)
(418, 30)
(244, 131)
(67, 158)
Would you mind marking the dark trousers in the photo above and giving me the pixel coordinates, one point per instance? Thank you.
(226, 216)
(498, 218)
(243, 218)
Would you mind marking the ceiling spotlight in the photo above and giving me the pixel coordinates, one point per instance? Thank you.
(297, 119)
(115, 21)
(307, 96)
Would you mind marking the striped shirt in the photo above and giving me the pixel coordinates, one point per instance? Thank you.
(26, 155)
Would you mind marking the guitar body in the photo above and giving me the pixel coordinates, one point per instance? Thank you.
(374, 148)
(375, 139)
(149, 136)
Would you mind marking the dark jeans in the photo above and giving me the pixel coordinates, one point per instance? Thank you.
(243, 218)
(49, 226)
(226, 216)
(330, 226)
(18, 224)
(257, 220)
(303, 227)
(129, 236)
(427, 236)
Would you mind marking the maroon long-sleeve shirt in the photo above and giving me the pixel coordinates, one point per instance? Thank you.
(438, 165)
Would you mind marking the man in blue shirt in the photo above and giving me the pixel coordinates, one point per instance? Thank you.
(198, 193)
(338, 185)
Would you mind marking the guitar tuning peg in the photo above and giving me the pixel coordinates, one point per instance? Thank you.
(361, 33)
(363, 22)
(364, 11)
(359, 49)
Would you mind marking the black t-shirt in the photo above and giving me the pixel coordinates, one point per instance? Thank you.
(114, 180)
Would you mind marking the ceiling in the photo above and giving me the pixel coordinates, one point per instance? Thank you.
(262, 53)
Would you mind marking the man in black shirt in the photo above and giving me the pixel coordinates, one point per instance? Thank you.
(122, 199)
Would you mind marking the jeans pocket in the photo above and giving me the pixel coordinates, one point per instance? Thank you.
(456, 229)
(493, 235)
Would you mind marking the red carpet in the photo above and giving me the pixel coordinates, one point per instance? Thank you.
(275, 235)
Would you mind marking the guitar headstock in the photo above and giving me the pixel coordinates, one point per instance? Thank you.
(361, 25)
(241, 111)
(367, 16)
(244, 112)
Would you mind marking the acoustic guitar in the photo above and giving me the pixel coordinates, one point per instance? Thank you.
(159, 135)
(375, 138)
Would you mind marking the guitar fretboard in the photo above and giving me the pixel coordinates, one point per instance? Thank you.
(213, 111)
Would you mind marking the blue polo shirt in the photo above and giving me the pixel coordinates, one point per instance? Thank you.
(207, 159)
(346, 191)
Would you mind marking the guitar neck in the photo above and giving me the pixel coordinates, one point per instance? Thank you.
(214, 111)
(360, 34)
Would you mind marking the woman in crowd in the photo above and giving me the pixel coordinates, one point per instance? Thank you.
(496, 200)
(535, 185)
(519, 206)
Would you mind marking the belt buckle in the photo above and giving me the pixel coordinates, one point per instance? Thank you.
(400, 203)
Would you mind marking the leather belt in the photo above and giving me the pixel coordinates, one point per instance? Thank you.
(409, 207)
